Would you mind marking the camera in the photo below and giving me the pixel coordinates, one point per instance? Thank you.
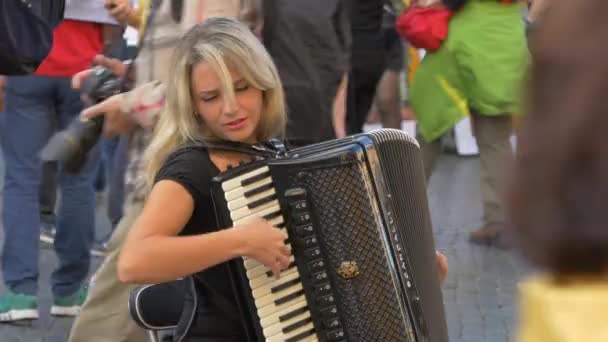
(72, 145)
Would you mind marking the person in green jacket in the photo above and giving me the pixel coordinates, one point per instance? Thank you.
(477, 72)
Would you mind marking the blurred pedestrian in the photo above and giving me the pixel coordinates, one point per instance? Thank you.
(559, 190)
(476, 72)
(33, 104)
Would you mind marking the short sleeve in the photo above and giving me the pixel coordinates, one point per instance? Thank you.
(192, 169)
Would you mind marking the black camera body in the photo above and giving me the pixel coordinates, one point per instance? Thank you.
(72, 145)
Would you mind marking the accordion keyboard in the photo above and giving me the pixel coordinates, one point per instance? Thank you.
(281, 303)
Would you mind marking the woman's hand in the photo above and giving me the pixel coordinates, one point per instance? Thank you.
(266, 244)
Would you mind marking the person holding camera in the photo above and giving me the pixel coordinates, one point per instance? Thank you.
(32, 104)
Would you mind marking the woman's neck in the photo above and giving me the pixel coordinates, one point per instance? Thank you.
(223, 159)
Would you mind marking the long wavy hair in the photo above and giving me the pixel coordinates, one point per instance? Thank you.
(227, 45)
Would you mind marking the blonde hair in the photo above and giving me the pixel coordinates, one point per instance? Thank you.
(226, 45)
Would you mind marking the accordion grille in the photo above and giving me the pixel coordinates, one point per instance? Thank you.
(349, 232)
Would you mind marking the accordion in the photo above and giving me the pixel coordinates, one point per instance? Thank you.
(363, 265)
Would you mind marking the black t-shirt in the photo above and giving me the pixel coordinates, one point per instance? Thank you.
(367, 15)
(192, 168)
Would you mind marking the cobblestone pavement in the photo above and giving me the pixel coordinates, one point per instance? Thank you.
(480, 291)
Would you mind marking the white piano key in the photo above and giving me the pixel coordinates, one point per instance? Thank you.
(240, 191)
(278, 327)
(251, 263)
(264, 279)
(266, 305)
(270, 318)
(245, 211)
(271, 210)
(243, 201)
(283, 337)
(236, 181)
(266, 289)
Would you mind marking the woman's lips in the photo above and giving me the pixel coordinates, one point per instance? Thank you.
(236, 124)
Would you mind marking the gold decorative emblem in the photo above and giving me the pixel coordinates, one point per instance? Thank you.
(348, 269)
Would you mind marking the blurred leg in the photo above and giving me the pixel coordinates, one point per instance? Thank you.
(492, 134)
(76, 212)
(388, 101)
(430, 152)
(26, 128)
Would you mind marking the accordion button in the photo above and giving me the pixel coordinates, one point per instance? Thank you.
(319, 277)
(301, 218)
(335, 335)
(312, 253)
(310, 242)
(315, 266)
(322, 289)
(329, 313)
(298, 205)
(326, 300)
(331, 323)
(305, 230)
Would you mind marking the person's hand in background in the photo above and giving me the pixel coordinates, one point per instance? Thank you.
(442, 265)
(116, 121)
(118, 68)
(123, 12)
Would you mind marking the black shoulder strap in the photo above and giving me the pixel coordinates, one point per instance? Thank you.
(271, 149)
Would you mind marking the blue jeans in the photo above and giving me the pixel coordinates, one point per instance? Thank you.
(34, 107)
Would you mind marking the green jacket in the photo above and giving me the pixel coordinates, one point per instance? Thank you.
(480, 66)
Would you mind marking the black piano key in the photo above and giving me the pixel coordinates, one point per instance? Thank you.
(296, 325)
(291, 264)
(271, 216)
(259, 190)
(262, 201)
(301, 336)
(293, 314)
(285, 285)
(288, 298)
(255, 178)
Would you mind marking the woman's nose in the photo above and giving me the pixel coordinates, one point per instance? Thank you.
(229, 107)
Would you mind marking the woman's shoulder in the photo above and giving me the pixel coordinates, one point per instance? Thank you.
(187, 163)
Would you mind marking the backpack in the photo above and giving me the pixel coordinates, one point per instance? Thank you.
(26, 33)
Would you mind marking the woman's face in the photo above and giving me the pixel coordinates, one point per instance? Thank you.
(236, 121)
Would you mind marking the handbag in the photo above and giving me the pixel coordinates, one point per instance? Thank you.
(26, 33)
(425, 27)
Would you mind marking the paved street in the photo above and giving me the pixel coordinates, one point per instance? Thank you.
(479, 292)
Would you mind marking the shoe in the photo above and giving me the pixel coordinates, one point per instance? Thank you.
(70, 305)
(17, 307)
(47, 234)
(99, 248)
(492, 235)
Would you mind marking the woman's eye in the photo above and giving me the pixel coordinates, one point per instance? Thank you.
(242, 87)
(208, 98)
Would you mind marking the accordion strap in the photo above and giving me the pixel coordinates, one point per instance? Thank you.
(271, 149)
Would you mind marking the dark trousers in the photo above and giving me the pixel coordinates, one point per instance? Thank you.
(34, 104)
(367, 65)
